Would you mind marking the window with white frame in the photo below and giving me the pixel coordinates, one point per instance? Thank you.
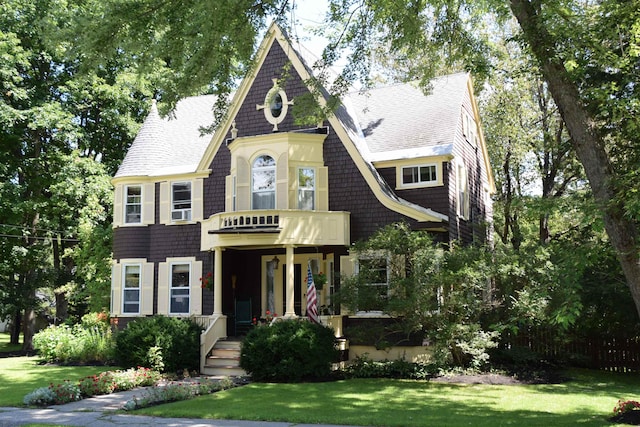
(234, 194)
(463, 192)
(263, 187)
(181, 201)
(133, 204)
(132, 275)
(374, 273)
(179, 288)
(414, 176)
(469, 128)
(306, 189)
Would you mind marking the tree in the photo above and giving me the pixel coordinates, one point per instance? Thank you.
(58, 126)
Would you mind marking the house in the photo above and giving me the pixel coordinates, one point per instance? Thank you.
(222, 227)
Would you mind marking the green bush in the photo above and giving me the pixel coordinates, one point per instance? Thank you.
(289, 351)
(80, 344)
(363, 367)
(160, 342)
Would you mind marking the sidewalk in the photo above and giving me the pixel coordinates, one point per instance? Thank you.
(99, 412)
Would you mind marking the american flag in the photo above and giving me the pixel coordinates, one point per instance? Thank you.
(312, 298)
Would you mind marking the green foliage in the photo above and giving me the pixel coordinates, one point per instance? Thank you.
(289, 351)
(43, 396)
(90, 342)
(174, 392)
(363, 367)
(154, 341)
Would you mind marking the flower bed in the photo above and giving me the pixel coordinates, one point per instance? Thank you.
(94, 385)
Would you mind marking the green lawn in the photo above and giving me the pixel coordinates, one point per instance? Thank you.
(587, 400)
(22, 375)
(4, 343)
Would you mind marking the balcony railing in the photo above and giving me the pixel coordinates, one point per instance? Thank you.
(249, 220)
(275, 227)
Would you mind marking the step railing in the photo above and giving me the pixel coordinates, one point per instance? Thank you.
(216, 330)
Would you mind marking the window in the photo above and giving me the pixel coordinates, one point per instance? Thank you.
(181, 201)
(306, 189)
(131, 289)
(469, 128)
(463, 192)
(423, 174)
(133, 204)
(234, 194)
(264, 183)
(179, 288)
(374, 273)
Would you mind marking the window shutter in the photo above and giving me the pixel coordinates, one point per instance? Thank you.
(322, 189)
(163, 288)
(116, 289)
(347, 266)
(165, 202)
(196, 288)
(197, 203)
(146, 291)
(243, 182)
(117, 206)
(148, 203)
(282, 182)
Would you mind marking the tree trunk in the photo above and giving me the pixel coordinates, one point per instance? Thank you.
(16, 325)
(588, 144)
(29, 329)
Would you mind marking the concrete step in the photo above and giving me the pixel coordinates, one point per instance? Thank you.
(226, 371)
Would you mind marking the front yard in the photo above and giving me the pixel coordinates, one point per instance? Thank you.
(587, 400)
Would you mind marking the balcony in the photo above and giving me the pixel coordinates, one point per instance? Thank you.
(275, 228)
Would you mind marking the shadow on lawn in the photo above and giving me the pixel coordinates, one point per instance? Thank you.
(380, 403)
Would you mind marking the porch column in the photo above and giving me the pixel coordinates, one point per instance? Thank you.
(290, 310)
(217, 282)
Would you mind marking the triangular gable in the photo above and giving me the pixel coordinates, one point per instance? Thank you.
(341, 122)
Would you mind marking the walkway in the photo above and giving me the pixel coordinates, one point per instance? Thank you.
(99, 412)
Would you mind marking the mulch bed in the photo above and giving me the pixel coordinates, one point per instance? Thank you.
(629, 417)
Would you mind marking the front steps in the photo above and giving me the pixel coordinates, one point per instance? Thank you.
(224, 360)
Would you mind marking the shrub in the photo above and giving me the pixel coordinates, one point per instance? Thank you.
(96, 385)
(156, 341)
(42, 396)
(288, 351)
(89, 342)
(65, 392)
(363, 367)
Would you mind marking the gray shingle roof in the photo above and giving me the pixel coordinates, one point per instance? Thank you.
(400, 121)
(173, 144)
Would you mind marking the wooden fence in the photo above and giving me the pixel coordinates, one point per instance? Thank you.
(619, 354)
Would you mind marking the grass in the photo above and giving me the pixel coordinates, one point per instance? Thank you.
(5, 347)
(587, 400)
(21, 375)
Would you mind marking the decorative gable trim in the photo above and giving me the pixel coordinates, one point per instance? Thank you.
(372, 178)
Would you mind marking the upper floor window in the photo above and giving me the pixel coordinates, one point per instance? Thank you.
(133, 204)
(181, 201)
(179, 288)
(306, 188)
(416, 175)
(131, 288)
(469, 128)
(463, 192)
(263, 177)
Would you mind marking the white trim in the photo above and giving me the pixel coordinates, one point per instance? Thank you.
(400, 184)
(172, 288)
(125, 204)
(124, 288)
(314, 189)
(185, 213)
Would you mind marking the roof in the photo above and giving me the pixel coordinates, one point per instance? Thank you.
(400, 121)
(173, 144)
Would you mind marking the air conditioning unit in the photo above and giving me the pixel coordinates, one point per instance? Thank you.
(181, 215)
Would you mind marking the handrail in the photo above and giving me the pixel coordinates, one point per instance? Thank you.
(216, 330)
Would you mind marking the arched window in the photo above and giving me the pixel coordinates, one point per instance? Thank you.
(263, 186)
